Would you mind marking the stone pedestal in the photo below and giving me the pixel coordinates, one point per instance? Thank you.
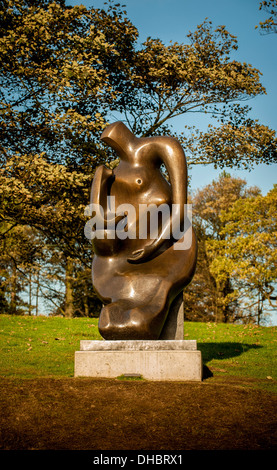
(169, 358)
(162, 360)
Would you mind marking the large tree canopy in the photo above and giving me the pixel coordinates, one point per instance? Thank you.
(67, 71)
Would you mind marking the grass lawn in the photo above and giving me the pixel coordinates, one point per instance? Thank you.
(43, 407)
(42, 346)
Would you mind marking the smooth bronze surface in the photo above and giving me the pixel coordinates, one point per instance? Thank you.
(137, 279)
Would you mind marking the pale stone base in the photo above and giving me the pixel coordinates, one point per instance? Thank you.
(154, 360)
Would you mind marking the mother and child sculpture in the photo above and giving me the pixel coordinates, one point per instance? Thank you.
(138, 274)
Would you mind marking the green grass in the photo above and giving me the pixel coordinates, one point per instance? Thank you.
(42, 346)
(130, 377)
(244, 351)
(34, 347)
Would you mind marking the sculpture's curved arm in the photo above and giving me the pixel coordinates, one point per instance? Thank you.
(99, 193)
(168, 151)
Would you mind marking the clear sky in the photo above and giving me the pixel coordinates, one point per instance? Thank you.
(171, 20)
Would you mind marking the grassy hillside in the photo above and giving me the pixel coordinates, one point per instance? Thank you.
(33, 347)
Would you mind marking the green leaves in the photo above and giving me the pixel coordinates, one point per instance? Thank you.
(251, 241)
(237, 237)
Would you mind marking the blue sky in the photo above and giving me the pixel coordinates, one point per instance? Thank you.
(171, 20)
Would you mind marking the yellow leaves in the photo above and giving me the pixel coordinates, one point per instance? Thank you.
(270, 24)
(71, 122)
(249, 251)
(42, 191)
(203, 67)
(38, 32)
(237, 229)
(241, 144)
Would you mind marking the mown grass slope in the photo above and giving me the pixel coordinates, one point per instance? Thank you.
(33, 347)
(43, 407)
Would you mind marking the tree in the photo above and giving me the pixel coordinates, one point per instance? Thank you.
(236, 274)
(200, 77)
(72, 68)
(250, 231)
(21, 257)
(60, 67)
(212, 287)
(270, 24)
(66, 72)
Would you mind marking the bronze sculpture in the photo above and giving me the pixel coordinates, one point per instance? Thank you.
(137, 278)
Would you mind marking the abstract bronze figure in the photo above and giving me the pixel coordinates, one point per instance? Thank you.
(138, 278)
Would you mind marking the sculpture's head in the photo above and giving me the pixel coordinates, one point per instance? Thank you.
(119, 138)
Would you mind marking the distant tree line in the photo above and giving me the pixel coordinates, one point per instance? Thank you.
(236, 273)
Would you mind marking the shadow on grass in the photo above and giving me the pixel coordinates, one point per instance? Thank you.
(226, 350)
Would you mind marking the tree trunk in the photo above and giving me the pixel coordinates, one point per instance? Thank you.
(37, 292)
(30, 294)
(86, 306)
(13, 290)
(69, 308)
(220, 308)
(260, 308)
